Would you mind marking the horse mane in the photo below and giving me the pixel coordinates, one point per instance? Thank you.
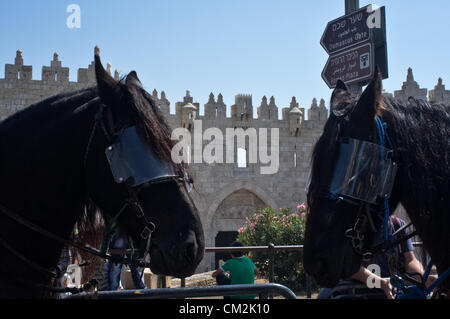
(152, 125)
(420, 132)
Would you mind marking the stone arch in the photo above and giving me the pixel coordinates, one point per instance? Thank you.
(222, 215)
(265, 195)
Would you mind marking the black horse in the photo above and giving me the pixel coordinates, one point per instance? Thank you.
(54, 172)
(416, 137)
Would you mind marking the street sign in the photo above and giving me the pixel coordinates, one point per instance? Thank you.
(347, 31)
(350, 66)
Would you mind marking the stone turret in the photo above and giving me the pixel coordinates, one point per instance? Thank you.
(188, 115)
(263, 109)
(410, 88)
(273, 109)
(187, 110)
(440, 94)
(242, 109)
(221, 108)
(295, 121)
(210, 107)
(295, 116)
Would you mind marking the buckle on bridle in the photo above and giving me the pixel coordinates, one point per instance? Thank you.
(367, 256)
(140, 211)
(147, 231)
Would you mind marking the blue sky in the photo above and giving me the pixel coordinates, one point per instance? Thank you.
(260, 47)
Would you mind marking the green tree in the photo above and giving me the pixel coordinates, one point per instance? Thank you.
(280, 228)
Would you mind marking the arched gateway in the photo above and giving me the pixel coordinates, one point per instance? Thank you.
(228, 212)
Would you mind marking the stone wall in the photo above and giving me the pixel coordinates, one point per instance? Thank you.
(225, 193)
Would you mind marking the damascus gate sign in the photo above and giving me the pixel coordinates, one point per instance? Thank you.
(356, 43)
(350, 66)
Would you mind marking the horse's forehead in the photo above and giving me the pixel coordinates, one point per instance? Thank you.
(342, 108)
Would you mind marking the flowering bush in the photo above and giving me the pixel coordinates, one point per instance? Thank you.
(280, 228)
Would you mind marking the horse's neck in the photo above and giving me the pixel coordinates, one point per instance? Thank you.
(43, 181)
(44, 164)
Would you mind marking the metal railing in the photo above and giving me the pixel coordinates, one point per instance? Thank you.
(263, 290)
(271, 249)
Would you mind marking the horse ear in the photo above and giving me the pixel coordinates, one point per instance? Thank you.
(370, 102)
(132, 79)
(107, 86)
(340, 85)
(341, 99)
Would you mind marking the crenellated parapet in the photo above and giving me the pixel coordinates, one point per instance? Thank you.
(267, 111)
(241, 112)
(18, 71)
(55, 72)
(18, 89)
(319, 112)
(215, 110)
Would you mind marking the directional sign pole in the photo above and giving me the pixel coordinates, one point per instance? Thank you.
(352, 6)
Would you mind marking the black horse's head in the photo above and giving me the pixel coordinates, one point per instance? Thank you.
(329, 253)
(156, 211)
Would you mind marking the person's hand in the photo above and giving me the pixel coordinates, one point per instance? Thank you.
(430, 280)
(387, 288)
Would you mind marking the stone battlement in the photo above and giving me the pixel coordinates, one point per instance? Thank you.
(18, 89)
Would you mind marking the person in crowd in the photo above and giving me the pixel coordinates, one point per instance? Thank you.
(112, 270)
(237, 270)
(407, 262)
